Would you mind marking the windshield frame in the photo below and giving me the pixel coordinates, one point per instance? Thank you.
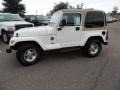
(55, 19)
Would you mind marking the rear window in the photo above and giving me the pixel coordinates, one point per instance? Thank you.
(94, 19)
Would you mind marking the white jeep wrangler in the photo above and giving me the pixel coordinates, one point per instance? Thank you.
(10, 23)
(68, 28)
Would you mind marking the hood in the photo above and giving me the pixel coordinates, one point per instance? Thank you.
(33, 31)
(13, 23)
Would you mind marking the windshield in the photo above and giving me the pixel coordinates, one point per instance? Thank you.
(44, 18)
(10, 17)
(55, 17)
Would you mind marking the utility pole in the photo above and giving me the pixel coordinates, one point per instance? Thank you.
(36, 12)
(41, 11)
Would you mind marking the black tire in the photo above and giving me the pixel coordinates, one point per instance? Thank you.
(5, 37)
(87, 48)
(21, 54)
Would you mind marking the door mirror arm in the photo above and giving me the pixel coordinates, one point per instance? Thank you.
(63, 23)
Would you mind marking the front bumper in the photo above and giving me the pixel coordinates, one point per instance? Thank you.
(10, 33)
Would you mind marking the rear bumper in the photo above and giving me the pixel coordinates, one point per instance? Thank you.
(105, 43)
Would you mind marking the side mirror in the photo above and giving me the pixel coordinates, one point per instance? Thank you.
(26, 19)
(63, 23)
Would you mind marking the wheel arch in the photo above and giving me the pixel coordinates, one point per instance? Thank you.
(2, 30)
(18, 44)
(96, 37)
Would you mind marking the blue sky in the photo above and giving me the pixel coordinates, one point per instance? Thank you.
(44, 6)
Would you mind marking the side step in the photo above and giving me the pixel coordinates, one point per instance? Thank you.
(70, 49)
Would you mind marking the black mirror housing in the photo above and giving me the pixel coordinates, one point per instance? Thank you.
(63, 23)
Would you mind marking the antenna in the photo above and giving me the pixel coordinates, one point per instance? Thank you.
(41, 11)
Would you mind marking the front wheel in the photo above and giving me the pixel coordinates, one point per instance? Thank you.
(5, 37)
(28, 54)
(92, 48)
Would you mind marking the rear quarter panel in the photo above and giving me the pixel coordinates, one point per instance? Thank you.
(88, 34)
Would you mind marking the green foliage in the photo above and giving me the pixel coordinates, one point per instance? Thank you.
(14, 6)
(65, 5)
(115, 10)
(60, 6)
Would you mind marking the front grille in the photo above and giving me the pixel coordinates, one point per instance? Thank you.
(23, 26)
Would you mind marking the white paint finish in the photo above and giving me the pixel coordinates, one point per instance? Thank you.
(36, 39)
(87, 34)
(67, 37)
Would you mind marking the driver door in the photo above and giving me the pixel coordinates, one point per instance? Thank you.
(68, 35)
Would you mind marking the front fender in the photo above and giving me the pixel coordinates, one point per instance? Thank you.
(26, 39)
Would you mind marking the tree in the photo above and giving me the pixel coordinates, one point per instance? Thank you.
(80, 6)
(115, 10)
(60, 6)
(71, 7)
(14, 6)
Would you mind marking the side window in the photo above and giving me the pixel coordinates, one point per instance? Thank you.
(94, 19)
(77, 20)
(72, 19)
(33, 18)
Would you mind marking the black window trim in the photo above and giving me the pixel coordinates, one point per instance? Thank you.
(72, 13)
(94, 27)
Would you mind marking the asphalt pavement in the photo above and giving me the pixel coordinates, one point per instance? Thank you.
(65, 71)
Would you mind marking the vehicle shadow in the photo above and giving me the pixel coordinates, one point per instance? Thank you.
(64, 56)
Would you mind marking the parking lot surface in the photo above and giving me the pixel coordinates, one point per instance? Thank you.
(66, 70)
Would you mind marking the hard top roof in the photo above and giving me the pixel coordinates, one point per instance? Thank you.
(79, 10)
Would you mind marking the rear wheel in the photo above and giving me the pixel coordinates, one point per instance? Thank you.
(92, 48)
(28, 54)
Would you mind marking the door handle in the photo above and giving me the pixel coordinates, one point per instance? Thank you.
(77, 28)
